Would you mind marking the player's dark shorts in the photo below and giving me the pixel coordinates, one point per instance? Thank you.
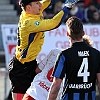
(21, 75)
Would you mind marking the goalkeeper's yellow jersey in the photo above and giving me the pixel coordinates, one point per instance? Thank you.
(31, 33)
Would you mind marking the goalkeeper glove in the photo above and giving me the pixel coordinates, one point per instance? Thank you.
(70, 3)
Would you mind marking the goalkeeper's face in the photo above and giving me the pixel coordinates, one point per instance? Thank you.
(34, 8)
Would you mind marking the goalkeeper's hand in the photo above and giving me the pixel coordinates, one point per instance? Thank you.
(70, 3)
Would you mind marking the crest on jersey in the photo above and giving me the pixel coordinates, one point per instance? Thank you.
(37, 23)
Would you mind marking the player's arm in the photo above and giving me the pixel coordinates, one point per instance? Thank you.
(49, 24)
(42, 64)
(98, 79)
(48, 59)
(55, 87)
(46, 3)
(58, 73)
(37, 70)
(98, 73)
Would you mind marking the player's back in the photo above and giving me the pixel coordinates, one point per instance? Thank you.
(82, 63)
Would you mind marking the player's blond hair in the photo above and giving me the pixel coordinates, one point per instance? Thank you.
(87, 39)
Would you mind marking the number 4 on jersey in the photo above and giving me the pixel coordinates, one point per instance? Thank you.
(83, 71)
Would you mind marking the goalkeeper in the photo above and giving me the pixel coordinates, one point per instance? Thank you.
(31, 28)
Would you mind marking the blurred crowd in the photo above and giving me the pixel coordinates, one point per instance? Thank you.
(87, 10)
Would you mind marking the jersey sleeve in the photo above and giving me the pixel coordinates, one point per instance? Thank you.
(43, 63)
(41, 25)
(46, 60)
(59, 68)
(49, 58)
(46, 3)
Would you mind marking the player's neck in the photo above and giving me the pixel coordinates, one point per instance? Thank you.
(73, 41)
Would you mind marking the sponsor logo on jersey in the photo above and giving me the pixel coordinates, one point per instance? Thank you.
(80, 86)
(43, 85)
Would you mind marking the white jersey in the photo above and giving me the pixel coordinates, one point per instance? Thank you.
(41, 84)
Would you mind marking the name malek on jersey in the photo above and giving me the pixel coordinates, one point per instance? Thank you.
(83, 53)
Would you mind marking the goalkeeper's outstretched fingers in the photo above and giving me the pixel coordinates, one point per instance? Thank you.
(70, 3)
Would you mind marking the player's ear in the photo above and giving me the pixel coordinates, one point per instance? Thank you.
(28, 7)
(68, 34)
(83, 33)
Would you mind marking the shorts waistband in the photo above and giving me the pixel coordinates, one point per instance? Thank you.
(18, 62)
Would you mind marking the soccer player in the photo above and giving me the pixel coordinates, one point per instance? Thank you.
(31, 29)
(79, 64)
(42, 81)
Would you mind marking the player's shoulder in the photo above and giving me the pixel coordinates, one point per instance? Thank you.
(94, 49)
(66, 50)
